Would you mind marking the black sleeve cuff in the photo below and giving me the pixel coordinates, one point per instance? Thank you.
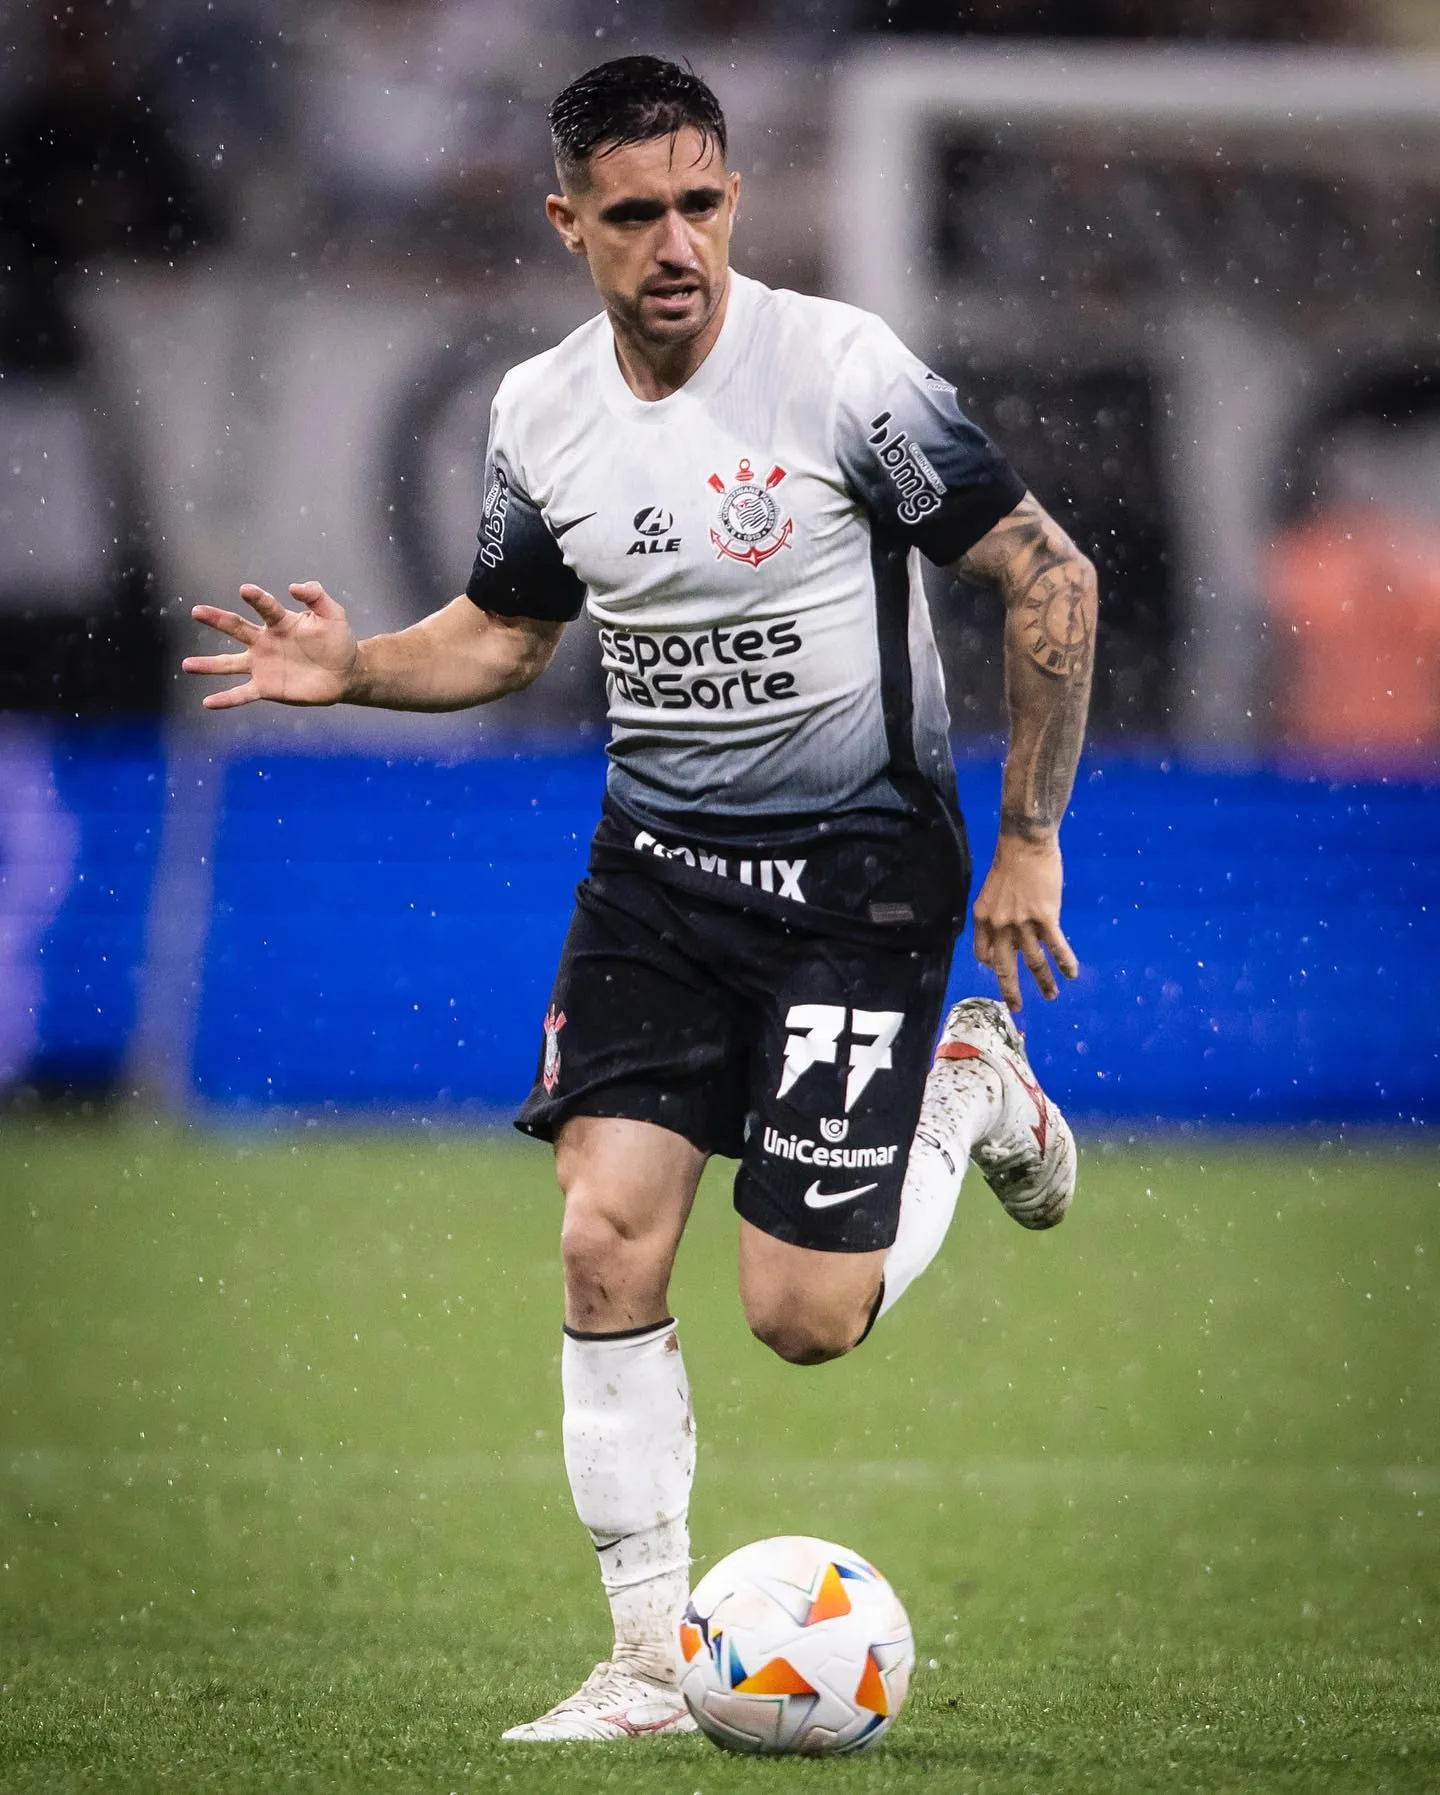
(965, 517)
(519, 568)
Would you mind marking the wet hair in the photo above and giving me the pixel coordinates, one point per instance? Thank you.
(630, 100)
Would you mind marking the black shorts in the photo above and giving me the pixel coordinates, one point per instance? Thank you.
(800, 1055)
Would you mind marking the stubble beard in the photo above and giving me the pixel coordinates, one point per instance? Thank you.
(629, 317)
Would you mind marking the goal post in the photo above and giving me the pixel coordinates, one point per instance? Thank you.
(1235, 363)
(891, 102)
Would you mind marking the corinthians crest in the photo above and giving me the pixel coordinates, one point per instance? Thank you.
(751, 528)
(550, 1072)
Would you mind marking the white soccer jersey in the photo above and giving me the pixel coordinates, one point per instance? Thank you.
(748, 547)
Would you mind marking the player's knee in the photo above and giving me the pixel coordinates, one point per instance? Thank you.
(802, 1337)
(600, 1247)
(590, 1240)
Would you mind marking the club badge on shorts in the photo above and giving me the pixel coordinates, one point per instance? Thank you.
(550, 1072)
(751, 528)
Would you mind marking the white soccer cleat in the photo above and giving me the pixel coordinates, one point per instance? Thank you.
(612, 1703)
(1028, 1157)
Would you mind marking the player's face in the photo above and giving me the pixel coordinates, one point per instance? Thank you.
(654, 224)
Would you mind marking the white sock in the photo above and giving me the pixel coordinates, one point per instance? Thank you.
(630, 1455)
(962, 1104)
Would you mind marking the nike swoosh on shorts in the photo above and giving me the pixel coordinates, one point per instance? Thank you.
(816, 1199)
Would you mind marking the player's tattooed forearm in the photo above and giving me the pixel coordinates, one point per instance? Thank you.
(1046, 580)
(1049, 592)
(1019, 549)
(1041, 775)
(1057, 620)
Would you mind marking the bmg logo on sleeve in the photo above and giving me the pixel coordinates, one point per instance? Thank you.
(911, 471)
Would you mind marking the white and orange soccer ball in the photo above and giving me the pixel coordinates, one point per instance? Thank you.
(794, 1645)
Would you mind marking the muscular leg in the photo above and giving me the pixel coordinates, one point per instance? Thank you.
(628, 1190)
(629, 1434)
(807, 1306)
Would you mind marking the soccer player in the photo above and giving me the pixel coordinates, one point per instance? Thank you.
(737, 484)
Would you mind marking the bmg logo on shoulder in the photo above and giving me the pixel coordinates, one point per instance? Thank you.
(492, 518)
(653, 524)
(911, 471)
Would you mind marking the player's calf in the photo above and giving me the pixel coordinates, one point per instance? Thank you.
(807, 1306)
(807, 1340)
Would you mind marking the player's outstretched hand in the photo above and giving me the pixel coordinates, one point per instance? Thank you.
(1017, 917)
(291, 657)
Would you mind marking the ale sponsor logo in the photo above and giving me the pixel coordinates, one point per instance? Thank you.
(654, 527)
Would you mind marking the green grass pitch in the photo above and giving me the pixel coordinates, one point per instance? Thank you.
(282, 1504)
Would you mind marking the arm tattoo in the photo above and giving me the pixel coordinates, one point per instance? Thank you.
(1038, 783)
(1058, 630)
(1049, 592)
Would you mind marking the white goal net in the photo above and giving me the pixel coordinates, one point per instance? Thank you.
(1235, 232)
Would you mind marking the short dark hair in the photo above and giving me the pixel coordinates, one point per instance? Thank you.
(631, 99)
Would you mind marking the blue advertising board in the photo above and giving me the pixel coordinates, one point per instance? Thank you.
(1257, 948)
(81, 815)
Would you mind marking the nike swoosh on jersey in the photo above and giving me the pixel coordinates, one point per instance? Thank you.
(559, 530)
(815, 1198)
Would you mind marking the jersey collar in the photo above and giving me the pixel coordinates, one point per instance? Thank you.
(707, 378)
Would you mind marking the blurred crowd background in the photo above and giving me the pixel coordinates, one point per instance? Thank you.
(262, 266)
